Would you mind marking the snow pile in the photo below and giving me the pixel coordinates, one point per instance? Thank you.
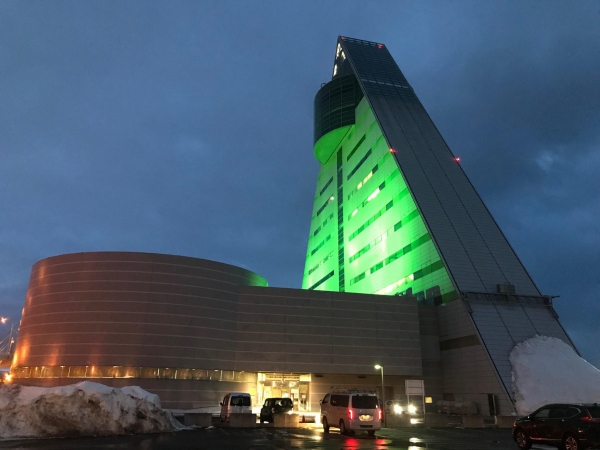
(82, 409)
(547, 370)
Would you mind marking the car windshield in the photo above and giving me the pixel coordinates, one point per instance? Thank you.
(284, 402)
(364, 401)
(594, 412)
(240, 400)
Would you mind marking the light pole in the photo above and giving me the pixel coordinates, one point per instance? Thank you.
(3, 320)
(379, 367)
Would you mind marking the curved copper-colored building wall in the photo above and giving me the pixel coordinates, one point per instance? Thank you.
(131, 309)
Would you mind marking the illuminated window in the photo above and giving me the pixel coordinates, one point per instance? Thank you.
(379, 213)
(132, 372)
(373, 195)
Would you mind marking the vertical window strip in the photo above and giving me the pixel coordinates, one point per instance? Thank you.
(340, 195)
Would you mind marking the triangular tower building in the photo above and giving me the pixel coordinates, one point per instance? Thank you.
(394, 214)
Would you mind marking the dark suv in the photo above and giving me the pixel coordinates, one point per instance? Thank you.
(275, 406)
(567, 426)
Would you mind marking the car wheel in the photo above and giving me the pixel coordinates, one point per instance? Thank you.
(325, 425)
(570, 442)
(371, 433)
(522, 439)
(343, 427)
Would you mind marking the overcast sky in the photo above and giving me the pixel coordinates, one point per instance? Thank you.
(186, 128)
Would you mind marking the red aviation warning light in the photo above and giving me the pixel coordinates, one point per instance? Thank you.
(379, 45)
(457, 159)
(392, 150)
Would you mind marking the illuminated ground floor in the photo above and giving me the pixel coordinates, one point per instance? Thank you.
(194, 388)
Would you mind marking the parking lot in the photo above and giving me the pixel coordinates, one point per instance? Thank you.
(272, 438)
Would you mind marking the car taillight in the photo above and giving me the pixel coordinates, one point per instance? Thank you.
(380, 414)
(589, 418)
(350, 414)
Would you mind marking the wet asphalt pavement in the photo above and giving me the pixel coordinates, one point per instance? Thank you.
(276, 439)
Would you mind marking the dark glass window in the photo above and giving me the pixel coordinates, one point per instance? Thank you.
(326, 399)
(240, 400)
(542, 413)
(558, 413)
(364, 401)
(339, 400)
(321, 281)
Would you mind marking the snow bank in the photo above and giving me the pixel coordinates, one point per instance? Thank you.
(547, 370)
(82, 409)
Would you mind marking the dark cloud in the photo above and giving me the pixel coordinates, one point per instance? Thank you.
(186, 127)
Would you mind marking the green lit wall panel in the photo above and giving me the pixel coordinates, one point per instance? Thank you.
(386, 246)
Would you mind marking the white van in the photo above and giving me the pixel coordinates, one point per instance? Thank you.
(351, 410)
(235, 402)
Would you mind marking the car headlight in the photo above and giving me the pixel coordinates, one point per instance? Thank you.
(397, 409)
(412, 409)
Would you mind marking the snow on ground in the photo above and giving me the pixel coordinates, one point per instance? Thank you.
(547, 370)
(82, 409)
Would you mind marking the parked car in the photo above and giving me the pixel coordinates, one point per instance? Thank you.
(274, 406)
(398, 407)
(566, 426)
(235, 402)
(351, 410)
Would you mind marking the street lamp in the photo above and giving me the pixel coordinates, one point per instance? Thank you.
(3, 320)
(379, 367)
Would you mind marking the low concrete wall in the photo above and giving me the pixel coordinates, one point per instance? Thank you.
(199, 419)
(285, 420)
(442, 420)
(398, 421)
(239, 420)
(505, 421)
(472, 421)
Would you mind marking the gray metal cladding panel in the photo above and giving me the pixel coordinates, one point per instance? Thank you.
(502, 326)
(340, 331)
(455, 215)
(471, 244)
(484, 221)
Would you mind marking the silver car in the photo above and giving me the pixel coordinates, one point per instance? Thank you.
(351, 411)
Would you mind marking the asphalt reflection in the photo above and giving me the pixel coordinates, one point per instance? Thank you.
(285, 439)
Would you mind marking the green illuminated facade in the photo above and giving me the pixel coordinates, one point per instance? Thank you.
(395, 214)
(366, 234)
